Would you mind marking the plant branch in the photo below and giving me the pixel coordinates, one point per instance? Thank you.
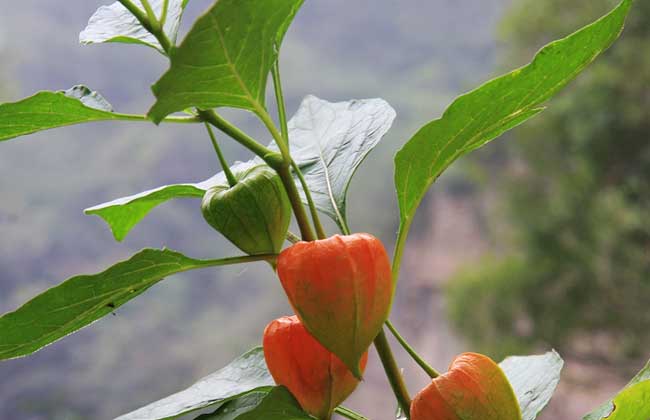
(296, 203)
(239, 136)
(392, 372)
(163, 15)
(232, 181)
(148, 22)
(344, 225)
(279, 96)
(153, 19)
(284, 170)
(293, 238)
(273, 159)
(418, 359)
(349, 414)
(271, 258)
(282, 116)
(270, 125)
(320, 232)
(399, 252)
(135, 11)
(144, 118)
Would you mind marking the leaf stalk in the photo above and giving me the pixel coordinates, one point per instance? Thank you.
(163, 15)
(238, 135)
(349, 414)
(418, 359)
(393, 373)
(232, 181)
(149, 21)
(273, 159)
(284, 126)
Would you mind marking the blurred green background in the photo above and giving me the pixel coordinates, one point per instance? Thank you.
(538, 241)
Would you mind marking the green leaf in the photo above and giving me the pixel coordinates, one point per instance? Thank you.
(533, 379)
(226, 58)
(276, 404)
(330, 140)
(124, 213)
(499, 105)
(47, 110)
(81, 300)
(632, 403)
(115, 23)
(605, 410)
(242, 376)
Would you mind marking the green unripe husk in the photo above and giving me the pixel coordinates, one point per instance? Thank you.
(254, 214)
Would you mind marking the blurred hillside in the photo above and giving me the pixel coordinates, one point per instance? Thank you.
(417, 55)
(567, 204)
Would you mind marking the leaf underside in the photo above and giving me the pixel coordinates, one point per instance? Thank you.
(114, 23)
(533, 379)
(244, 375)
(275, 404)
(328, 141)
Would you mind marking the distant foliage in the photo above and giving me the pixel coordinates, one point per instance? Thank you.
(578, 198)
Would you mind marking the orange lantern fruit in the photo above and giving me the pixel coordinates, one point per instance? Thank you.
(316, 377)
(341, 289)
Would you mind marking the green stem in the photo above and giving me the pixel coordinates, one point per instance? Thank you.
(320, 232)
(293, 238)
(232, 181)
(418, 359)
(239, 136)
(153, 19)
(349, 414)
(273, 160)
(284, 171)
(344, 225)
(270, 125)
(163, 15)
(282, 116)
(392, 372)
(148, 22)
(279, 96)
(296, 203)
(176, 120)
(399, 251)
(135, 11)
(271, 258)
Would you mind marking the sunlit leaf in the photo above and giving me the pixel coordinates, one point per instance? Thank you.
(124, 213)
(632, 403)
(226, 58)
(605, 410)
(499, 105)
(47, 110)
(82, 300)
